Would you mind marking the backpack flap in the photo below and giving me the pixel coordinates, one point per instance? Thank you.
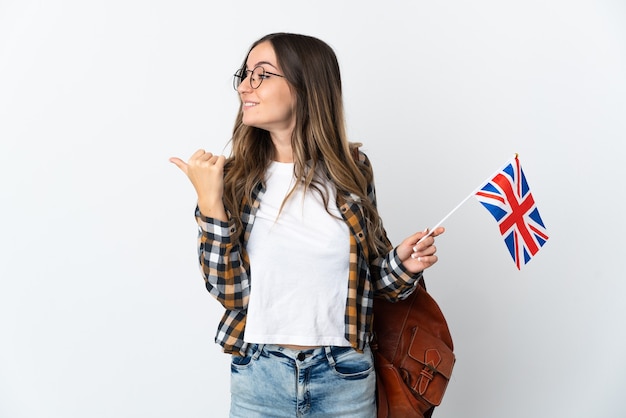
(428, 366)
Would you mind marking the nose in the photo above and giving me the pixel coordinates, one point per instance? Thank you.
(244, 86)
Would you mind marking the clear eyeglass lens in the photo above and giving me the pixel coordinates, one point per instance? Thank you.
(238, 78)
(256, 77)
(258, 74)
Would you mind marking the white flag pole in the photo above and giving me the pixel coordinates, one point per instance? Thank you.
(464, 200)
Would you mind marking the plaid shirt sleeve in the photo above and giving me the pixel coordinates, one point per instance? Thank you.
(223, 263)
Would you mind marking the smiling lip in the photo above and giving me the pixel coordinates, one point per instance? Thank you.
(249, 104)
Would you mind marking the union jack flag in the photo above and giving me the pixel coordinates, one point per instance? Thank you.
(507, 197)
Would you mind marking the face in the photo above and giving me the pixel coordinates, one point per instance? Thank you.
(271, 106)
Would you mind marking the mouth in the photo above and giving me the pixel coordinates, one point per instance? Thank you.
(249, 104)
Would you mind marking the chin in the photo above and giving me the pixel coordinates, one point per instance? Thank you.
(253, 124)
(246, 121)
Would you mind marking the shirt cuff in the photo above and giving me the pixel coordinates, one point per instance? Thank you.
(214, 228)
(401, 272)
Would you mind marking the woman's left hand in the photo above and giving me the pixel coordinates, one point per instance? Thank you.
(416, 256)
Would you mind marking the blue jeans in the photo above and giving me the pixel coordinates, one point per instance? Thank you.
(274, 381)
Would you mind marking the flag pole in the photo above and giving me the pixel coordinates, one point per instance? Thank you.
(463, 201)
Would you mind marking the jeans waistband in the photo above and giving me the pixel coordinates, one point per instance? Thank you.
(295, 354)
(311, 354)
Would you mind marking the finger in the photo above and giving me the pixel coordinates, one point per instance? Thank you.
(427, 260)
(207, 156)
(197, 154)
(423, 243)
(179, 163)
(427, 251)
(213, 159)
(417, 236)
(438, 231)
(217, 160)
(427, 236)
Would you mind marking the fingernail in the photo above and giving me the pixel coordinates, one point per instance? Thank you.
(414, 249)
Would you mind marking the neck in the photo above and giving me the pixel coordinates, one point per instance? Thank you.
(282, 146)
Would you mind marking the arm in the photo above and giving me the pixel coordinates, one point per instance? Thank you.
(395, 273)
(223, 262)
(219, 249)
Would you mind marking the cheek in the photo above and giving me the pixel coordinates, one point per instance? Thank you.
(283, 105)
(289, 101)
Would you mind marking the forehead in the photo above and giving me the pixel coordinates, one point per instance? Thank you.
(262, 54)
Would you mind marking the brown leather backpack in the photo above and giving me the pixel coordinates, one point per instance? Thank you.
(413, 354)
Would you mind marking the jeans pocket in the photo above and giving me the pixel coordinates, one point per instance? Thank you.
(350, 364)
(239, 363)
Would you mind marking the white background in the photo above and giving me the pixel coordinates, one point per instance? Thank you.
(103, 312)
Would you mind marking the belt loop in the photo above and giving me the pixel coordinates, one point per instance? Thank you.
(258, 350)
(329, 355)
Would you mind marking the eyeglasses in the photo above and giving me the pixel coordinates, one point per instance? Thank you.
(258, 74)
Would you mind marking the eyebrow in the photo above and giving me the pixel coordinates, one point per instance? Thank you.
(264, 62)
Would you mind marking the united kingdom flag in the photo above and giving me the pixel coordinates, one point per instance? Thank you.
(507, 197)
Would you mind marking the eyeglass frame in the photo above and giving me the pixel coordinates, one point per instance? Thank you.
(239, 72)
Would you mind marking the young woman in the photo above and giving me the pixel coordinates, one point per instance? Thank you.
(291, 242)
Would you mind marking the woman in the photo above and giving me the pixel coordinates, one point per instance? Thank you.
(297, 287)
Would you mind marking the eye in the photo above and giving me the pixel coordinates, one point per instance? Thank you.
(258, 73)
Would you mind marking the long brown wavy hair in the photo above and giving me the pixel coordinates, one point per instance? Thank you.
(319, 141)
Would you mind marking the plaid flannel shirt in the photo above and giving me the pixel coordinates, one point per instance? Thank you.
(225, 266)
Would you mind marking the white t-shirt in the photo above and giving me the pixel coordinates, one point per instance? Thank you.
(299, 266)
